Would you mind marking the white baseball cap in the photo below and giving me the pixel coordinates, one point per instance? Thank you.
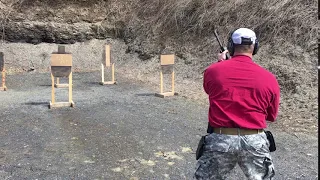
(240, 33)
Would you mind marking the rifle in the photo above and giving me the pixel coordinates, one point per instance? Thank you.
(220, 44)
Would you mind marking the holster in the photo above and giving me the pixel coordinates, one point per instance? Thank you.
(200, 147)
(209, 129)
(270, 138)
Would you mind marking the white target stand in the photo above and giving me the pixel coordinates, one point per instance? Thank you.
(3, 73)
(167, 67)
(61, 65)
(107, 63)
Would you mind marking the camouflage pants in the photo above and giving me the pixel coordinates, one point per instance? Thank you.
(222, 153)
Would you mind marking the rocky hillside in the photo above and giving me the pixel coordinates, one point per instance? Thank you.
(141, 30)
(161, 23)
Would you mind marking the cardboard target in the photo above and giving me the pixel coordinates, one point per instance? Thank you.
(107, 56)
(61, 65)
(167, 59)
(107, 63)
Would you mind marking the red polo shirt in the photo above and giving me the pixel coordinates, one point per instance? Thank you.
(242, 94)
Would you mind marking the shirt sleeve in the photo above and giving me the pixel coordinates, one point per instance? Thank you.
(205, 81)
(273, 109)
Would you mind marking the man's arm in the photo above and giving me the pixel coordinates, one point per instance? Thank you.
(206, 78)
(274, 105)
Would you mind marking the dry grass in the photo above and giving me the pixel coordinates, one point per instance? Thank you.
(276, 22)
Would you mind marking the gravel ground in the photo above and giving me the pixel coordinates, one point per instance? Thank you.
(116, 132)
(295, 73)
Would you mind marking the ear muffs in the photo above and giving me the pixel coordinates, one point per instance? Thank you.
(256, 47)
(230, 45)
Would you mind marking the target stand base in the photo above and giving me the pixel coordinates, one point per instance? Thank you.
(61, 104)
(107, 82)
(166, 94)
(61, 85)
(4, 88)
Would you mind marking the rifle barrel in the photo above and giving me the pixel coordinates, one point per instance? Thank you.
(217, 37)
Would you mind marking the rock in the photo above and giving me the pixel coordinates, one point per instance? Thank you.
(63, 33)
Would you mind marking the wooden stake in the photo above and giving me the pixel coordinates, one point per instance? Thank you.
(102, 73)
(112, 69)
(3, 81)
(52, 89)
(173, 81)
(3, 78)
(161, 82)
(70, 87)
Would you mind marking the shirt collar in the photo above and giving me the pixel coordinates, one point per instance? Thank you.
(242, 58)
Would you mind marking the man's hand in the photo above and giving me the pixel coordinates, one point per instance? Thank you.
(222, 56)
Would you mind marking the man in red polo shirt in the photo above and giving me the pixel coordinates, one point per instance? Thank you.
(242, 96)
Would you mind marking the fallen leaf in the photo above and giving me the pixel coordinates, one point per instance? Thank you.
(89, 161)
(171, 155)
(158, 154)
(186, 149)
(123, 160)
(117, 169)
(149, 162)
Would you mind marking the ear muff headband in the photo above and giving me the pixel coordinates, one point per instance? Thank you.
(230, 45)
